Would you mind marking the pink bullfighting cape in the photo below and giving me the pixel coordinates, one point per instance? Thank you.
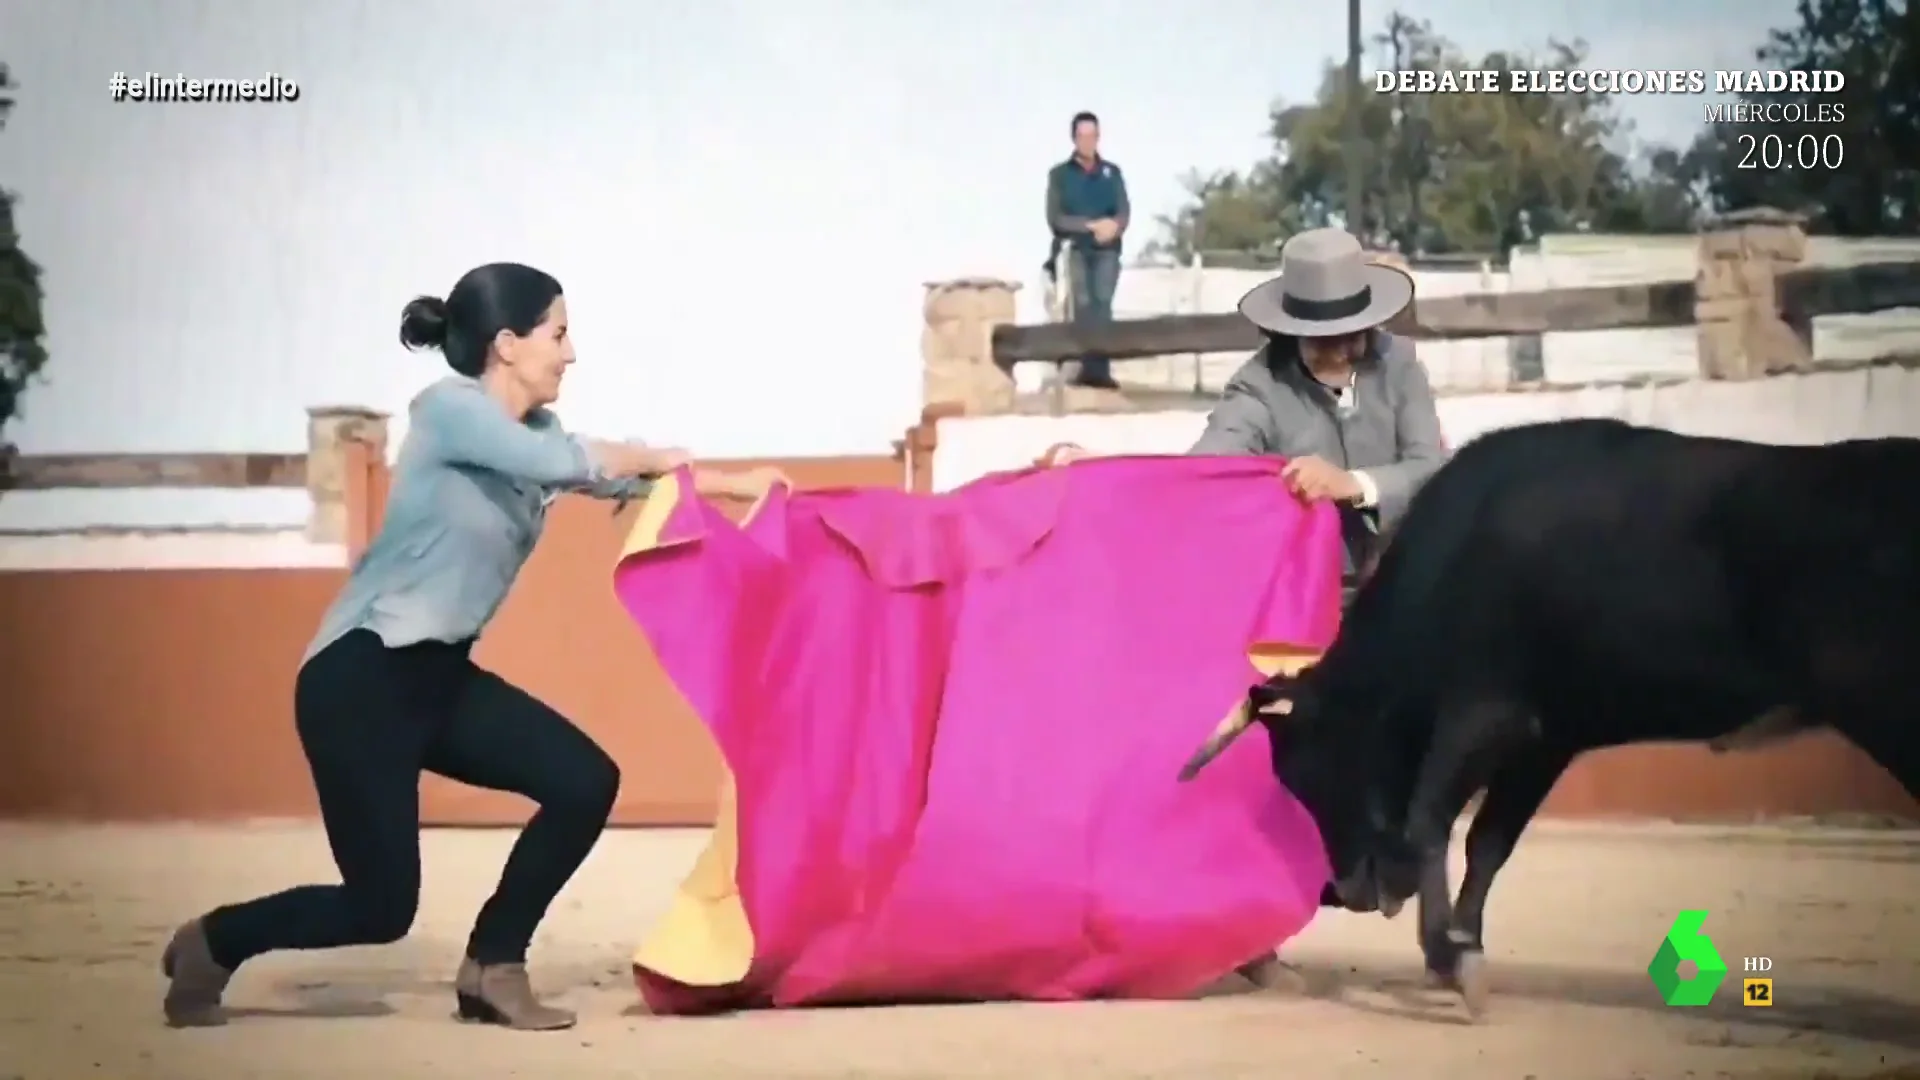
(952, 727)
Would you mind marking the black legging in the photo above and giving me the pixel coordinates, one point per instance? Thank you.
(371, 719)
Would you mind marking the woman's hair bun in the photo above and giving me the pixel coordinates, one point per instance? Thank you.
(423, 323)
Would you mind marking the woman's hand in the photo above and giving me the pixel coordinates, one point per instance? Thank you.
(619, 459)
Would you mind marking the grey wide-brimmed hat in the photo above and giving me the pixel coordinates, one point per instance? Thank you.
(1327, 287)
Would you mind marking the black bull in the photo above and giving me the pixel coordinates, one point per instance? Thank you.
(1562, 587)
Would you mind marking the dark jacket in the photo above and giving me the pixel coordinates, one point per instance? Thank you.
(1077, 196)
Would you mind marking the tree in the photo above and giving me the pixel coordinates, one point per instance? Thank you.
(1444, 171)
(1786, 157)
(22, 331)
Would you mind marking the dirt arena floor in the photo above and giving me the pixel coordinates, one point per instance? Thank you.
(83, 912)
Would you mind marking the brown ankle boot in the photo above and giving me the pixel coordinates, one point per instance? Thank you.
(500, 994)
(196, 981)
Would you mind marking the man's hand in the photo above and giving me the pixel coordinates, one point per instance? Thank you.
(1104, 230)
(1313, 479)
(1062, 454)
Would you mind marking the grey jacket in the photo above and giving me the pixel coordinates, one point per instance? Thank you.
(468, 502)
(1390, 431)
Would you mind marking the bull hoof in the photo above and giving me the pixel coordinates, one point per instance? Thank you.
(1443, 961)
(1470, 978)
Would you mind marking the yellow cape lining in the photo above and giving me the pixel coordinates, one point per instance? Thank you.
(703, 939)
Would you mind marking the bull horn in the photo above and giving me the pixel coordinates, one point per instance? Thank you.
(1230, 728)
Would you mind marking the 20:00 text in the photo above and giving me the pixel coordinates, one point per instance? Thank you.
(1801, 151)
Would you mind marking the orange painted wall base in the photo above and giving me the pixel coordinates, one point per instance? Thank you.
(162, 694)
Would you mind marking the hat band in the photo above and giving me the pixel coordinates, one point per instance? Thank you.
(1345, 307)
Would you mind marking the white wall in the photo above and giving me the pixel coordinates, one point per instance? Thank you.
(1814, 408)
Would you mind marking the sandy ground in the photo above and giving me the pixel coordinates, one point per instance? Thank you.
(1581, 910)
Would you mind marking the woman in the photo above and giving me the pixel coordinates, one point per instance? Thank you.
(1347, 404)
(387, 688)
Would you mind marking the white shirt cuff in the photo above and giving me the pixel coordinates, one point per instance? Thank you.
(1369, 491)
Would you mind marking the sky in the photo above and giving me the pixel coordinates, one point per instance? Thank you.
(743, 198)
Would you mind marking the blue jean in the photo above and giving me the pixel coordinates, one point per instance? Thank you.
(1096, 273)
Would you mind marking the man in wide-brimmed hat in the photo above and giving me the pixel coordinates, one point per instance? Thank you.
(1346, 403)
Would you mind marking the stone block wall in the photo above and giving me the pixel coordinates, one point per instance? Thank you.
(330, 428)
(1742, 332)
(956, 344)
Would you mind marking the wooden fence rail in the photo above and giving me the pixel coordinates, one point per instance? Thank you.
(1799, 297)
(42, 472)
(344, 443)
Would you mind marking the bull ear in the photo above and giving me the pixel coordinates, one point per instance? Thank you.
(1231, 727)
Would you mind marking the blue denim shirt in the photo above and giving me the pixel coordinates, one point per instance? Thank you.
(468, 502)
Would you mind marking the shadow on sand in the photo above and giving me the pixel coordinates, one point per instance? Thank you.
(1401, 991)
(1395, 990)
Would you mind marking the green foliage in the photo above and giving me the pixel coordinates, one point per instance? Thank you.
(22, 332)
(1875, 191)
(1480, 172)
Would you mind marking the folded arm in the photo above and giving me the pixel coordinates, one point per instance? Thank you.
(1057, 218)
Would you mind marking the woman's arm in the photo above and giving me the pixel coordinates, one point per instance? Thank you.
(464, 426)
(650, 462)
(620, 488)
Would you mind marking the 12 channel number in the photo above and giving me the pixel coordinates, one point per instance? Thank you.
(1758, 991)
(1809, 152)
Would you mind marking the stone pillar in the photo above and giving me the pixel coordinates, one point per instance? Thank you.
(956, 347)
(330, 428)
(1742, 333)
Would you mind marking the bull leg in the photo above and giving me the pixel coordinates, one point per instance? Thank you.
(1512, 797)
(1514, 791)
(1436, 917)
(1469, 745)
(1450, 929)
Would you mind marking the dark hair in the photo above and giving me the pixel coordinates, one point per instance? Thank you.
(1285, 348)
(486, 300)
(1082, 117)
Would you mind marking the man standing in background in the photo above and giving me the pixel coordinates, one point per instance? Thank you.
(1087, 208)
